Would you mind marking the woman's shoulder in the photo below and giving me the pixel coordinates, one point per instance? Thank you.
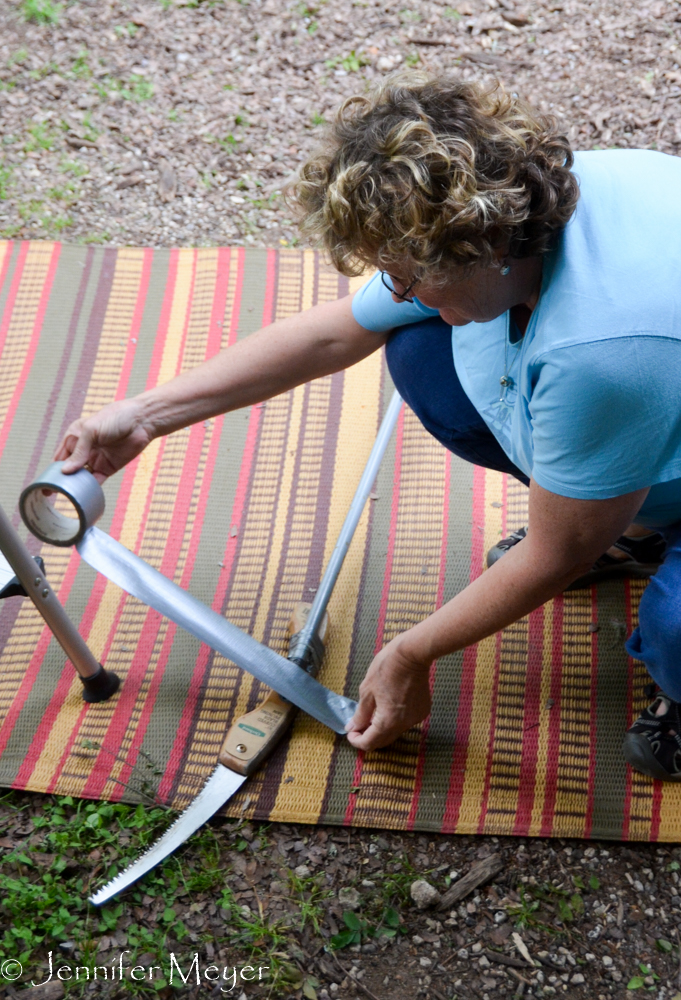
(615, 268)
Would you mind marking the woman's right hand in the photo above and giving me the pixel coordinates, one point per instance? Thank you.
(106, 441)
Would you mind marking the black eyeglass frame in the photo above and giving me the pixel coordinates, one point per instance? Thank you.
(405, 296)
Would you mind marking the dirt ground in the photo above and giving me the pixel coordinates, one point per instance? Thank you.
(155, 123)
(177, 124)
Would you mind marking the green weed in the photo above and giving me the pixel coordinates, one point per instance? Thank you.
(409, 16)
(309, 893)
(413, 59)
(567, 904)
(43, 71)
(351, 63)
(41, 11)
(318, 119)
(73, 167)
(357, 929)
(6, 172)
(40, 138)
(104, 237)
(452, 12)
(89, 131)
(128, 30)
(19, 57)
(80, 67)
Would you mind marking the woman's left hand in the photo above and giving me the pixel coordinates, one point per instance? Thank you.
(394, 696)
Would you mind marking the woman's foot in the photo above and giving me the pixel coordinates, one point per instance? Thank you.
(653, 744)
(637, 555)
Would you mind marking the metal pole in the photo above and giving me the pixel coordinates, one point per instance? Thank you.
(99, 683)
(326, 586)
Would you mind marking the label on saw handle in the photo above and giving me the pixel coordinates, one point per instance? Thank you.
(251, 737)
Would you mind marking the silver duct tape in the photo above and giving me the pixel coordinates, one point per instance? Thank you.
(142, 581)
(42, 518)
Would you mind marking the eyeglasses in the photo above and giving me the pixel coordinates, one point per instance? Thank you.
(406, 295)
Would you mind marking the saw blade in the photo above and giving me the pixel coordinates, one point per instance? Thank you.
(219, 788)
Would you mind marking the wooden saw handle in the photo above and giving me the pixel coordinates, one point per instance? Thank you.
(253, 736)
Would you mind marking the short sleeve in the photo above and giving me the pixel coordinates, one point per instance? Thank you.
(606, 416)
(375, 309)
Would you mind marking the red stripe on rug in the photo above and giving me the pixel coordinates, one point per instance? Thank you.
(553, 749)
(423, 742)
(124, 493)
(134, 680)
(628, 792)
(184, 729)
(8, 311)
(531, 722)
(137, 672)
(29, 679)
(655, 818)
(135, 324)
(212, 347)
(593, 699)
(491, 735)
(457, 777)
(6, 262)
(495, 688)
(387, 576)
(92, 607)
(32, 346)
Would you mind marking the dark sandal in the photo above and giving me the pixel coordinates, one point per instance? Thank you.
(645, 557)
(650, 747)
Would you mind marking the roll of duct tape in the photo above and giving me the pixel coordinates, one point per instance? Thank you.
(57, 522)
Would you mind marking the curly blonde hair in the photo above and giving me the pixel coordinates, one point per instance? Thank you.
(435, 174)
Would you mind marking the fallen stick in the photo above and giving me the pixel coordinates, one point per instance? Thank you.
(481, 872)
(497, 956)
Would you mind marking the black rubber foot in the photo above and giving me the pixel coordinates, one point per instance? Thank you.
(101, 685)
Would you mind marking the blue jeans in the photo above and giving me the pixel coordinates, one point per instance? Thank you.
(421, 364)
(420, 360)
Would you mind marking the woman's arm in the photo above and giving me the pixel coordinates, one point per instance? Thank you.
(321, 340)
(565, 538)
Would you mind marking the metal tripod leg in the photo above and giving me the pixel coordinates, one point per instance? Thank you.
(300, 653)
(98, 683)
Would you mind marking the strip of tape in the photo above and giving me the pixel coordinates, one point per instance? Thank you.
(136, 577)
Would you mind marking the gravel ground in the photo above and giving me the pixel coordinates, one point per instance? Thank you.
(154, 123)
(161, 124)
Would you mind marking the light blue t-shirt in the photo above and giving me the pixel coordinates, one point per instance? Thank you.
(595, 409)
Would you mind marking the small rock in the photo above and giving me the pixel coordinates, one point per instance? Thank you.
(48, 991)
(302, 871)
(167, 182)
(517, 18)
(577, 979)
(462, 953)
(424, 894)
(607, 961)
(425, 963)
(349, 898)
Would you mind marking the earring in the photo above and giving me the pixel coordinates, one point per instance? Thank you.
(505, 269)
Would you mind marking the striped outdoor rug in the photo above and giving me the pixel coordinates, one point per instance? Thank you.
(244, 511)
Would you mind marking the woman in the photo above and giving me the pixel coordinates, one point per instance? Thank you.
(530, 305)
